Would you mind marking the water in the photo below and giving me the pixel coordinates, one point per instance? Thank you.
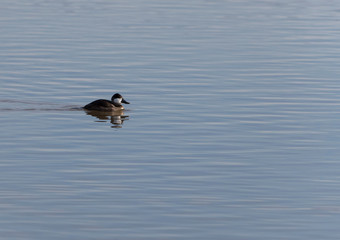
(232, 131)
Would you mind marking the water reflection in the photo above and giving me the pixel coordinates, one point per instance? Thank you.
(116, 118)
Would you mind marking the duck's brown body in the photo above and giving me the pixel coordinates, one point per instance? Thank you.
(103, 105)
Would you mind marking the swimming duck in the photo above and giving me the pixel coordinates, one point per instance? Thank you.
(106, 105)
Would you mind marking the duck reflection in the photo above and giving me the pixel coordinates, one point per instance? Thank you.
(116, 117)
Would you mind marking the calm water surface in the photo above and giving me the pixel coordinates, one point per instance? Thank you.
(233, 130)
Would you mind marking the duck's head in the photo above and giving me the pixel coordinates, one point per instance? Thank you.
(117, 100)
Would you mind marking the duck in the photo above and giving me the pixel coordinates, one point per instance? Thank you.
(106, 105)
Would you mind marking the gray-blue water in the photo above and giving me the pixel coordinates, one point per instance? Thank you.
(233, 131)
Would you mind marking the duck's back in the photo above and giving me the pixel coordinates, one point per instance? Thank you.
(100, 105)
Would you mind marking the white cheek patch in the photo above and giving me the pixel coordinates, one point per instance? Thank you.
(117, 100)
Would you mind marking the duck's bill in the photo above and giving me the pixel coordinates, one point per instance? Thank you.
(123, 101)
